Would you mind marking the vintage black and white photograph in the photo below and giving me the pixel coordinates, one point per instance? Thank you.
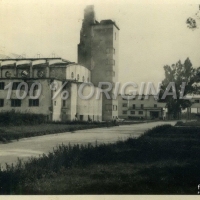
(99, 97)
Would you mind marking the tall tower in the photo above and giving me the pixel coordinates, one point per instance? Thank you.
(98, 51)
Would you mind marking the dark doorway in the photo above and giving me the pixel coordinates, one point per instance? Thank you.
(154, 114)
(81, 117)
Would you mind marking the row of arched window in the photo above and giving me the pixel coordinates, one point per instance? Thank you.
(83, 78)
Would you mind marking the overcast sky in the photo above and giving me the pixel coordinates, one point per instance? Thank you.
(151, 35)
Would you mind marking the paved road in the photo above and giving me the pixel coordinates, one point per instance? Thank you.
(36, 146)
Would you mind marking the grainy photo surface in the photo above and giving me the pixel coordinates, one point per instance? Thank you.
(99, 98)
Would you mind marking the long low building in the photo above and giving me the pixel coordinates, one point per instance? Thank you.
(41, 74)
(141, 108)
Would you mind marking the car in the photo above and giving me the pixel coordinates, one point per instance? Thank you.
(120, 120)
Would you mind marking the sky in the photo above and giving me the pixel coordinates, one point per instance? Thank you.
(152, 33)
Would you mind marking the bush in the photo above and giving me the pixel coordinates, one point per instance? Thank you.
(179, 123)
(16, 118)
(134, 118)
(158, 130)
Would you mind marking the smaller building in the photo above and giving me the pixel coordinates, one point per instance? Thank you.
(141, 108)
(194, 110)
(195, 100)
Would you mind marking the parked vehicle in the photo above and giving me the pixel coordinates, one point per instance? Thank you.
(120, 120)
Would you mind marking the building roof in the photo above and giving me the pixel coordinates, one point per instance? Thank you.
(23, 62)
(7, 62)
(36, 62)
(147, 108)
(32, 59)
(106, 22)
(109, 21)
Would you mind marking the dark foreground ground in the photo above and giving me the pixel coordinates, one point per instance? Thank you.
(34, 146)
(165, 160)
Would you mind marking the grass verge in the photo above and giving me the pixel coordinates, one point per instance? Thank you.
(188, 123)
(8, 133)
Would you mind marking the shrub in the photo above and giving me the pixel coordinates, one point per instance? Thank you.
(179, 123)
(16, 118)
(158, 130)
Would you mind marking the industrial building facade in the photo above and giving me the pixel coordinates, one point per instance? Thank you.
(65, 75)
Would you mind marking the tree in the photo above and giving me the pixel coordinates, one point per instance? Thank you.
(192, 21)
(184, 78)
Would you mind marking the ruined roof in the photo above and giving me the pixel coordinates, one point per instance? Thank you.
(9, 56)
